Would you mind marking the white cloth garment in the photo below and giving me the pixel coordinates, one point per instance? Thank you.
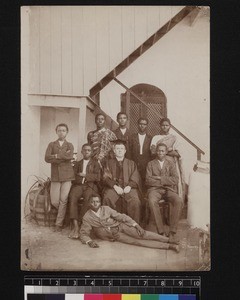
(161, 163)
(123, 130)
(61, 142)
(141, 138)
(85, 163)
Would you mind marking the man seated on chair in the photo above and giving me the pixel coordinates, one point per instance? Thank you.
(108, 224)
(87, 176)
(122, 183)
(162, 180)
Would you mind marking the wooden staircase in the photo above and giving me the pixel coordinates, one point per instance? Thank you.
(191, 11)
(153, 39)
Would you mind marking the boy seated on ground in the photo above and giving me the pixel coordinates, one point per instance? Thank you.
(108, 224)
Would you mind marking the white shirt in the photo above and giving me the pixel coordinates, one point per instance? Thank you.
(97, 213)
(61, 142)
(123, 130)
(119, 159)
(161, 163)
(141, 138)
(85, 163)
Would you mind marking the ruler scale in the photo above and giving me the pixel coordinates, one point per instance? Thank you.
(114, 288)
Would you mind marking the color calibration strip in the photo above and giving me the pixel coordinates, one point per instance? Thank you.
(108, 297)
(114, 288)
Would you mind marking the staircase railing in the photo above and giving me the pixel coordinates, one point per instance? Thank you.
(153, 39)
(113, 125)
(199, 150)
(110, 123)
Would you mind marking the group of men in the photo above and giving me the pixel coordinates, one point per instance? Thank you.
(117, 173)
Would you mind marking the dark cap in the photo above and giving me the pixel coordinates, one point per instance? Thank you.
(119, 142)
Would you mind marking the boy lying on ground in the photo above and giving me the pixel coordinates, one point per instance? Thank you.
(108, 224)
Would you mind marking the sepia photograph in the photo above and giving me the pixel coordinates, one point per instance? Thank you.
(115, 138)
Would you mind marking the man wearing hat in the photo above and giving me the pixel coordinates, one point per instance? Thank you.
(122, 183)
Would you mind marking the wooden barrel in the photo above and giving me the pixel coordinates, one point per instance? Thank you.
(38, 214)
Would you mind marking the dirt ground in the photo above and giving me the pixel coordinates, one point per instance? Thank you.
(44, 250)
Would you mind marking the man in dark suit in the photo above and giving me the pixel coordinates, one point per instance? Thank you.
(140, 148)
(122, 183)
(122, 132)
(87, 174)
(162, 180)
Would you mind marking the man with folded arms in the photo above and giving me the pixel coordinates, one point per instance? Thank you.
(162, 180)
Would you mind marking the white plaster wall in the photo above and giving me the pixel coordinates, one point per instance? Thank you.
(179, 65)
(30, 117)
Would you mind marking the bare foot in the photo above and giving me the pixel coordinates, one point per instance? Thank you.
(74, 234)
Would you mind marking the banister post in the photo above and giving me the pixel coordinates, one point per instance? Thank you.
(198, 155)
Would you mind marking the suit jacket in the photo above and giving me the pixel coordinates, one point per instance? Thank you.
(92, 173)
(108, 218)
(168, 173)
(135, 150)
(124, 137)
(61, 167)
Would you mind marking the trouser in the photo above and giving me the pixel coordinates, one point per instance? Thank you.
(76, 193)
(142, 165)
(130, 201)
(176, 205)
(59, 197)
(128, 235)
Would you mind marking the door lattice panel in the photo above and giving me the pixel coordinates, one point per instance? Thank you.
(155, 103)
(134, 113)
(154, 127)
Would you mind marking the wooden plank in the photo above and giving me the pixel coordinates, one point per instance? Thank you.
(140, 25)
(45, 50)
(152, 20)
(194, 16)
(66, 51)
(115, 36)
(89, 37)
(128, 30)
(56, 50)
(164, 15)
(34, 49)
(140, 50)
(102, 27)
(77, 50)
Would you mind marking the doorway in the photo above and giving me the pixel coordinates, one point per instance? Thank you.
(155, 100)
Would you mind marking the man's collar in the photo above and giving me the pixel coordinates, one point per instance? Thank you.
(118, 159)
(97, 210)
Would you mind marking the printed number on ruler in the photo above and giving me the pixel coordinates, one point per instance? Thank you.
(196, 283)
